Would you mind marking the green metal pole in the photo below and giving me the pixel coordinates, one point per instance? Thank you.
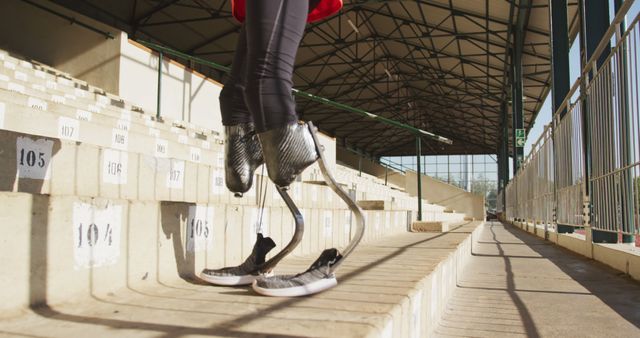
(159, 101)
(419, 174)
(309, 96)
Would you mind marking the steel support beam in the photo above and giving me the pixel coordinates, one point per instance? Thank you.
(517, 112)
(595, 22)
(627, 157)
(559, 73)
(419, 175)
(559, 53)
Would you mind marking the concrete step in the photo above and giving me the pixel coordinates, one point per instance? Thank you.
(395, 288)
(88, 109)
(93, 244)
(36, 82)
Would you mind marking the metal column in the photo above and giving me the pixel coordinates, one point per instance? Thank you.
(517, 108)
(159, 100)
(559, 74)
(628, 223)
(594, 24)
(419, 174)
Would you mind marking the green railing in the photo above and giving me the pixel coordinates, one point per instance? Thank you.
(419, 133)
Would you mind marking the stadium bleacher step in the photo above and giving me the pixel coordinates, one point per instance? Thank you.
(102, 197)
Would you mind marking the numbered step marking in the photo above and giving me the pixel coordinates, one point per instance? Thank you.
(123, 124)
(96, 235)
(40, 74)
(58, 99)
(68, 128)
(83, 115)
(94, 109)
(200, 228)
(119, 139)
(162, 148)
(33, 158)
(51, 85)
(102, 100)
(195, 154)
(21, 76)
(37, 104)
(217, 182)
(115, 166)
(175, 176)
(14, 87)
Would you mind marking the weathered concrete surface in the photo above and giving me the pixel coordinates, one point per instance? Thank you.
(386, 288)
(517, 284)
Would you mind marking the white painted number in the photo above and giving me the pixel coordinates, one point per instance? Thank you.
(68, 128)
(96, 234)
(162, 148)
(115, 167)
(119, 139)
(175, 176)
(217, 182)
(83, 115)
(33, 158)
(199, 228)
(195, 154)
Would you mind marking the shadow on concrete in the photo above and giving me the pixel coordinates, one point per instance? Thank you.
(239, 321)
(38, 258)
(173, 218)
(613, 288)
(173, 215)
(525, 315)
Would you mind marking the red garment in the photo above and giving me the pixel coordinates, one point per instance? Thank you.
(324, 9)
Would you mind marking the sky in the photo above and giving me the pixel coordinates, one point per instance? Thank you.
(544, 116)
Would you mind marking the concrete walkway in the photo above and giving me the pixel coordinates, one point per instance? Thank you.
(519, 285)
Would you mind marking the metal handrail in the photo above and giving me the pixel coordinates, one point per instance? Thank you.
(299, 93)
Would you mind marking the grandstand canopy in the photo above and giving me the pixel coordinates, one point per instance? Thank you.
(439, 65)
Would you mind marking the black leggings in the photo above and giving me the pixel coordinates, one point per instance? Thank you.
(259, 89)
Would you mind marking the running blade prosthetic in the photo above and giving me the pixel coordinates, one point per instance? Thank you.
(317, 278)
(320, 276)
(245, 273)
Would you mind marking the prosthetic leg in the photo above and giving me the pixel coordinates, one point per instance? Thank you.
(320, 275)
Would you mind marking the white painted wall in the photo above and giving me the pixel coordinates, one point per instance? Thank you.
(44, 37)
(186, 96)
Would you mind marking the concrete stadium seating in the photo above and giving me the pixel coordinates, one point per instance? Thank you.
(97, 195)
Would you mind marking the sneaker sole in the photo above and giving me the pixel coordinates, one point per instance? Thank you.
(296, 291)
(231, 280)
